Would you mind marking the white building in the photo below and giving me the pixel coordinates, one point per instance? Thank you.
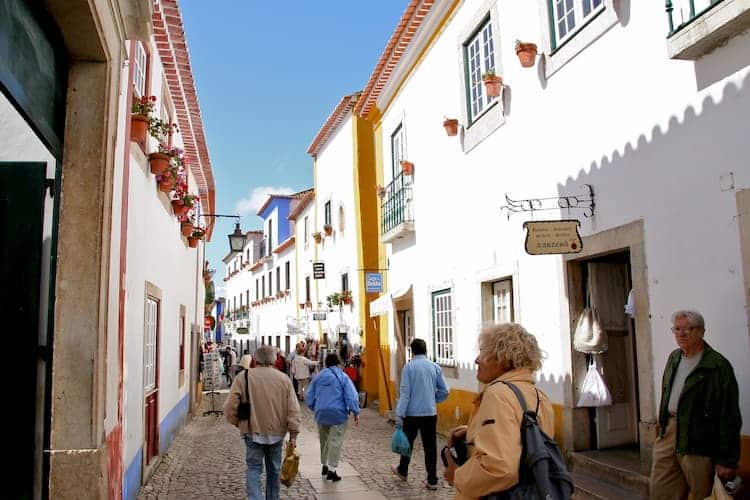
(111, 292)
(644, 129)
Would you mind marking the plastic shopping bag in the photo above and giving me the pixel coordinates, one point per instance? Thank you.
(594, 391)
(719, 492)
(290, 466)
(400, 443)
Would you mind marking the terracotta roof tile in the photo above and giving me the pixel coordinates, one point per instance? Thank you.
(332, 123)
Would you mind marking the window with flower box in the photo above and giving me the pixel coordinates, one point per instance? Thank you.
(140, 69)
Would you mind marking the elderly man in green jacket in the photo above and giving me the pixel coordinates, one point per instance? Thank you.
(699, 416)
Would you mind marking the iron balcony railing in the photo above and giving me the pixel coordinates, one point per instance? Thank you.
(680, 13)
(396, 204)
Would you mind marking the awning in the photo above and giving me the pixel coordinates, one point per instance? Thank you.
(384, 303)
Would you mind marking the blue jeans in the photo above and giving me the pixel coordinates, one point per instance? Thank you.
(256, 455)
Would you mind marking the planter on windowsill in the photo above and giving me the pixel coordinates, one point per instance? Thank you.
(493, 84)
(328, 229)
(451, 126)
(318, 237)
(407, 167)
(138, 128)
(193, 242)
(179, 208)
(158, 162)
(187, 229)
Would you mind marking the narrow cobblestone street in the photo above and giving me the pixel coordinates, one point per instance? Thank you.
(207, 460)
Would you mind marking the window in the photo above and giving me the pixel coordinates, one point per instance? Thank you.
(479, 55)
(182, 338)
(569, 16)
(263, 289)
(502, 301)
(278, 279)
(307, 290)
(327, 213)
(287, 275)
(442, 326)
(306, 231)
(140, 70)
(341, 218)
(151, 325)
(397, 150)
(345, 282)
(166, 117)
(247, 298)
(257, 289)
(270, 236)
(270, 282)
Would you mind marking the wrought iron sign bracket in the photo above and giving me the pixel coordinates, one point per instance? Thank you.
(583, 202)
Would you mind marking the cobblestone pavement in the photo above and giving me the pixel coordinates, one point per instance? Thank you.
(207, 460)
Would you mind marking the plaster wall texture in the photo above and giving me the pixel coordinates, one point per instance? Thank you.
(167, 263)
(334, 183)
(659, 140)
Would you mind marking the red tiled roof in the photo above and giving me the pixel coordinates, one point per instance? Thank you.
(284, 245)
(407, 27)
(169, 34)
(334, 120)
(271, 197)
(301, 205)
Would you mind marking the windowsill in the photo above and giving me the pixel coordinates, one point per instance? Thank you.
(488, 122)
(710, 30)
(588, 34)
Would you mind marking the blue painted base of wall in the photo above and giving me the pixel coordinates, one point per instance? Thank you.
(168, 429)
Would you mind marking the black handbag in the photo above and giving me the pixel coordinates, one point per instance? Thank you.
(459, 451)
(243, 409)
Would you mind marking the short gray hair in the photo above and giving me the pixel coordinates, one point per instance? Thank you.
(694, 318)
(265, 355)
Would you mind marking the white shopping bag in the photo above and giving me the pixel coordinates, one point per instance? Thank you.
(594, 391)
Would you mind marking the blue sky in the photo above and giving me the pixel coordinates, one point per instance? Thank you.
(268, 75)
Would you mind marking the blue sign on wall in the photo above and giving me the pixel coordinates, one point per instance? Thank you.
(373, 282)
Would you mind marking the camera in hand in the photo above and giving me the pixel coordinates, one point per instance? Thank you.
(458, 451)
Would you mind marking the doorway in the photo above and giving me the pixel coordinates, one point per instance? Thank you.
(151, 380)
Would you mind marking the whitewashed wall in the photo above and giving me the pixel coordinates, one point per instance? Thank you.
(655, 137)
(305, 249)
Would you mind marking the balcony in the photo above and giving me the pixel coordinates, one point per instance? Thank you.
(696, 27)
(396, 209)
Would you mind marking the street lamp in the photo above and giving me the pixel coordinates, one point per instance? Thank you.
(237, 238)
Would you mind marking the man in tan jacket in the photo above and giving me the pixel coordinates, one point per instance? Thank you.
(274, 412)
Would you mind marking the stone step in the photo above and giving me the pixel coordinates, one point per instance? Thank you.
(616, 473)
(590, 488)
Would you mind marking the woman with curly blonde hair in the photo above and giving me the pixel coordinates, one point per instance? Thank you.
(507, 353)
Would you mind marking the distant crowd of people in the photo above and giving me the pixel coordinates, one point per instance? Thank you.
(698, 432)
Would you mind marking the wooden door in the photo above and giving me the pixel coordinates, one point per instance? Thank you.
(151, 377)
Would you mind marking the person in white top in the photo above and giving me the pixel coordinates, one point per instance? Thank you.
(301, 372)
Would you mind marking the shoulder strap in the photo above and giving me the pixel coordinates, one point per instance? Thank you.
(519, 395)
(247, 384)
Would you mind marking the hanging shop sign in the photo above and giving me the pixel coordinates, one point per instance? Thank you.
(553, 237)
(373, 282)
(319, 316)
(242, 330)
(319, 270)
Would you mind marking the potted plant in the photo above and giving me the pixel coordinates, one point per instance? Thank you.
(161, 130)
(159, 161)
(451, 126)
(407, 167)
(346, 297)
(195, 237)
(317, 236)
(381, 191)
(140, 118)
(183, 203)
(493, 83)
(334, 299)
(328, 228)
(302, 306)
(186, 226)
(526, 53)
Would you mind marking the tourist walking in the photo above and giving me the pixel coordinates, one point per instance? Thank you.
(301, 371)
(274, 411)
(332, 397)
(699, 416)
(422, 386)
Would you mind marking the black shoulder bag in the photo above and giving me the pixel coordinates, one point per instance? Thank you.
(243, 409)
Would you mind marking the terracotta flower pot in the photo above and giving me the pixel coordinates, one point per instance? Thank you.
(187, 229)
(347, 301)
(451, 126)
(138, 128)
(179, 208)
(166, 184)
(159, 163)
(193, 242)
(526, 53)
(493, 85)
(328, 229)
(407, 167)
(318, 237)
(302, 305)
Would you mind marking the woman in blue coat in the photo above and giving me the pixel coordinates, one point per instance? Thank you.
(332, 396)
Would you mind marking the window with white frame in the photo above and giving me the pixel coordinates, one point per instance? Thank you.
(397, 150)
(479, 56)
(569, 16)
(442, 326)
(151, 325)
(305, 230)
(140, 69)
(327, 213)
(287, 275)
(502, 301)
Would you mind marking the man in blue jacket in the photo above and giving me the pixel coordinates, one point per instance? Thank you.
(422, 387)
(331, 395)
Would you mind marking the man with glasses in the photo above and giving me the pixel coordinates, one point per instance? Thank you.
(699, 416)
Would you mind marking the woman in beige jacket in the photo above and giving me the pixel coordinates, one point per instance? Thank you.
(507, 353)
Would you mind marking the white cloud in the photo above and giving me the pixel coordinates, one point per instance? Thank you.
(257, 197)
(220, 291)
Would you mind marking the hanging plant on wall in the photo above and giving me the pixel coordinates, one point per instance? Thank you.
(493, 83)
(141, 112)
